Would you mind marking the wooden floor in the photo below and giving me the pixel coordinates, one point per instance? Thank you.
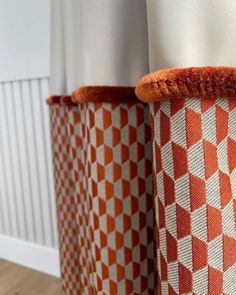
(19, 280)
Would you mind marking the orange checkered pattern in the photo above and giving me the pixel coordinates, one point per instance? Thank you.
(111, 152)
(65, 201)
(194, 147)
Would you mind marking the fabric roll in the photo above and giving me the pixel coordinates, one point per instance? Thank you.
(70, 258)
(194, 143)
(119, 222)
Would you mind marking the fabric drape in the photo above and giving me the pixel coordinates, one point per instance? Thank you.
(191, 33)
(98, 43)
(115, 42)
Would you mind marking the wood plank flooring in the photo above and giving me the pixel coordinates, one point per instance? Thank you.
(18, 280)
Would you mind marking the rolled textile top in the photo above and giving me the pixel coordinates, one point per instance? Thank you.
(65, 100)
(199, 82)
(112, 94)
(54, 99)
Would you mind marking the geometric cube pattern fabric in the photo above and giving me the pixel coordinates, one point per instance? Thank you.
(65, 202)
(112, 169)
(194, 149)
(105, 207)
(78, 151)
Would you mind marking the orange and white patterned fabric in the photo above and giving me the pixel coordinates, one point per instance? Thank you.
(103, 173)
(194, 149)
(65, 202)
(116, 208)
(78, 151)
(194, 161)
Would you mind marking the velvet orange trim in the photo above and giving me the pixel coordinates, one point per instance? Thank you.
(62, 100)
(67, 101)
(199, 82)
(53, 99)
(110, 94)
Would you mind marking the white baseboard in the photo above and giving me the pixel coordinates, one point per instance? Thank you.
(34, 256)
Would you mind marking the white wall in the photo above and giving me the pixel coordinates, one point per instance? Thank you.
(24, 39)
(27, 209)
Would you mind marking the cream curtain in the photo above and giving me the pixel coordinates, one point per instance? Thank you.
(113, 42)
(191, 33)
(101, 42)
